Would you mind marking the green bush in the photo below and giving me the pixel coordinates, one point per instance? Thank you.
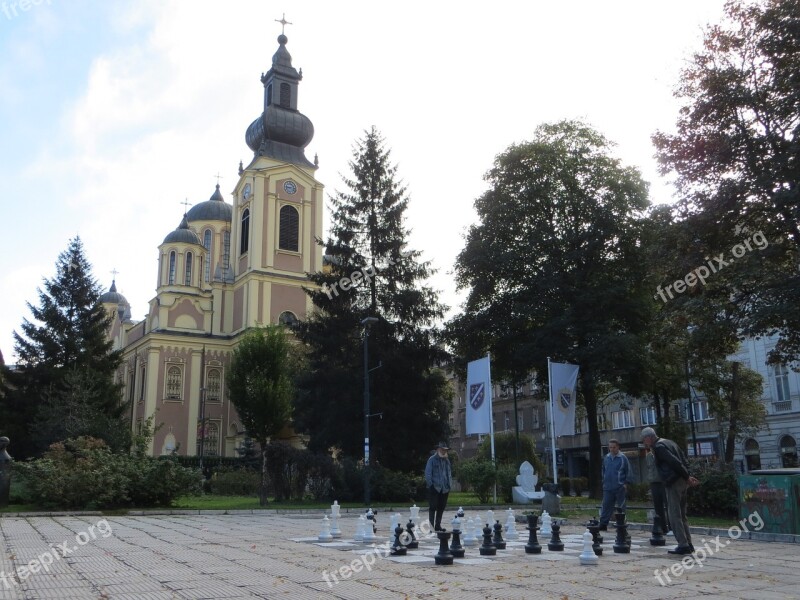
(82, 473)
(479, 476)
(638, 492)
(505, 451)
(506, 480)
(718, 492)
(236, 482)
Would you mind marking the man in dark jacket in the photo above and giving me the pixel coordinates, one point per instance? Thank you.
(673, 467)
(438, 478)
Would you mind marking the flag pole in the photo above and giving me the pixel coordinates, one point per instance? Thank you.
(552, 420)
(491, 421)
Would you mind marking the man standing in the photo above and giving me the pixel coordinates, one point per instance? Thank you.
(616, 471)
(674, 470)
(438, 478)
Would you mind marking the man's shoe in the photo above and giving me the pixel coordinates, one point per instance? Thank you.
(681, 550)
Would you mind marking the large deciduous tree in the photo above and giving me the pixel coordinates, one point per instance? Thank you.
(261, 386)
(555, 267)
(736, 153)
(370, 272)
(63, 385)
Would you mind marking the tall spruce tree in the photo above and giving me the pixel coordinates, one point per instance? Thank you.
(64, 382)
(370, 273)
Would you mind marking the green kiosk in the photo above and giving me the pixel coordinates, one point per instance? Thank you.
(775, 494)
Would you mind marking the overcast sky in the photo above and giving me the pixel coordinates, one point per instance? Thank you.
(114, 112)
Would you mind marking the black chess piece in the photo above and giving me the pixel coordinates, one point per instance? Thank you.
(533, 546)
(622, 544)
(593, 525)
(657, 537)
(456, 549)
(498, 541)
(444, 556)
(487, 548)
(555, 543)
(398, 549)
(413, 544)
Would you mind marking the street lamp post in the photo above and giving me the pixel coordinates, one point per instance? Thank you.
(366, 323)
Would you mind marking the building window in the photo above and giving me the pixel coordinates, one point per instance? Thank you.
(788, 452)
(752, 455)
(700, 409)
(622, 419)
(214, 385)
(706, 449)
(289, 229)
(171, 280)
(602, 422)
(187, 278)
(781, 374)
(142, 373)
(226, 252)
(520, 420)
(535, 418)
(287, 318)
(286, 95)
(174, 382)
(207, 246)
(648, 415)
(506, 421)
(208, 439)
(269, 94)
(243, 246)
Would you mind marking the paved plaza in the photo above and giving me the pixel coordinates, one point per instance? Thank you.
(268, 555)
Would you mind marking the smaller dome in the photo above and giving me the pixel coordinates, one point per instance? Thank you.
(112, 296)
(182, 235)
(213, 209)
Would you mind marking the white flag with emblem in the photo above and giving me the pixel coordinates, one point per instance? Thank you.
(479, 396)
(563, 377)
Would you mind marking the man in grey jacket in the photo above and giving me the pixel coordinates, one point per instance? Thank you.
(616, 475)
(673, 467)
(438, 478)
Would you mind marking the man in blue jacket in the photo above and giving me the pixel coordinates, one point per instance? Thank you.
(438, 478)
(616, 476)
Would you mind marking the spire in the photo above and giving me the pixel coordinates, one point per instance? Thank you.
(217, 196)
(113, 287)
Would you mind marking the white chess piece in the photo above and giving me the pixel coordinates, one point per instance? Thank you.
(469, 533)
(335, 508)
(393, 520)
(414, 510)
(511, 526)
(490, 519)
(546, 522)
(588, 557)
(360, 528)
(369, 529)
(325, 534)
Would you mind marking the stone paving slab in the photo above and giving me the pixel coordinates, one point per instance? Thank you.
(266, 555)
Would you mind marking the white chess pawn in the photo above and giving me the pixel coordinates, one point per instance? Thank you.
(490, 518)
(588, 557)
(360, 528)
(414, 510)
(511, 526)
(335, 508)
(393, 520)
(325, 534)
(369, 528)
(546, 522)
(469, 533)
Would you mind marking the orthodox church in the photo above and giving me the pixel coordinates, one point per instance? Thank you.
(224, 269)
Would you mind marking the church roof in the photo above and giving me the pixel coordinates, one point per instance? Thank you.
(112, 296)
(182, 235)
(213, 209)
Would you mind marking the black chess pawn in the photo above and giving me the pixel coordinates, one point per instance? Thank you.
(456, 549)
(498, 541)
(413, 544)
(487, 548)
(444, 556)
(533, 546)
(657, 539)
(397, 548)
(597, 541)
(555, 543)
(622, 544)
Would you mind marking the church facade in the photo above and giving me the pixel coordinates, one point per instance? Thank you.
(226, 268)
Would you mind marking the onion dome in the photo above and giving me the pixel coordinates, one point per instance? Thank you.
(112, 296)
(281, 132)
(182, 235)
(213, 209)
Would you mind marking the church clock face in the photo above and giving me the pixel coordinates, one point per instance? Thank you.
(290, 187)
(246, 191)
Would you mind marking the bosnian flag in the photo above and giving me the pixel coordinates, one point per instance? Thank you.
(563, 378)
(479, 396)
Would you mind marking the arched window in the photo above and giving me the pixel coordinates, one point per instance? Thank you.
(287, 318)
(171, 280)
(187, 278)
(788, 452)
(289, 229)
(226, 252)
(174, 382)
(752, 455)
(286, 95)
(207, 246)
(213, 385)
(245, 231)
(269, 94)
(208, 439)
